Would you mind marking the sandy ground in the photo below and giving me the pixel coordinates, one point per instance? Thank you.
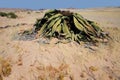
(33, 60)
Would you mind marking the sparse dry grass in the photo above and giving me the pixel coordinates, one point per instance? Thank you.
(114, 32)
(5, 68)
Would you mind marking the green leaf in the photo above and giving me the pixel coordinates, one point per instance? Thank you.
(77, 24)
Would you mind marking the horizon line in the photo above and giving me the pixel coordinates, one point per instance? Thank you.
(59, 8)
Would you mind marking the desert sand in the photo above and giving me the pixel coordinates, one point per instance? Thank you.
(31, 59)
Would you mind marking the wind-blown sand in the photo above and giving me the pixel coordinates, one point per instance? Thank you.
(33, 60)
